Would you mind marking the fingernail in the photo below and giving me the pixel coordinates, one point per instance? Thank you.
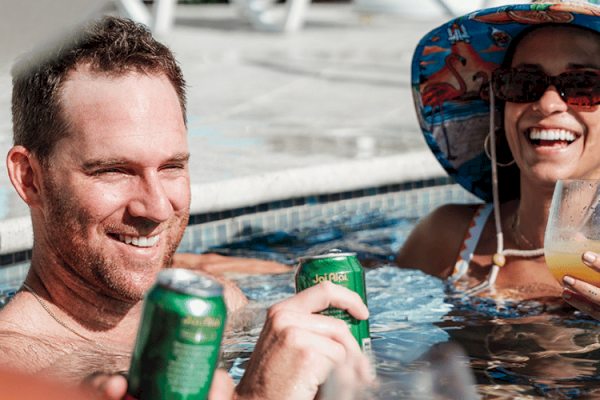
(568, 280)
(589, 257)
(566, 295)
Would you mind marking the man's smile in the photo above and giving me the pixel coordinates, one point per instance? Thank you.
(139, 241)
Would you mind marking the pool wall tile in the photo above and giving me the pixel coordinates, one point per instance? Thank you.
(214, 229)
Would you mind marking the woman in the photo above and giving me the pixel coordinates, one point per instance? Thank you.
(548, 131)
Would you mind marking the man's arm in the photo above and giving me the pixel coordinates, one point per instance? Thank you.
(215, 266)
(218, 264)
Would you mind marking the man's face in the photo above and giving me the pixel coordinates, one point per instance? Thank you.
(117, 193)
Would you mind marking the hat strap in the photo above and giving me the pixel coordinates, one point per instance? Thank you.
(499, 259)
(495, 195)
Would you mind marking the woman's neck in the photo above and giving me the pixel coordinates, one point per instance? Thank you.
(531, 216)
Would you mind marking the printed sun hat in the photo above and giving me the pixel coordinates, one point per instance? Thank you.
(453, 63)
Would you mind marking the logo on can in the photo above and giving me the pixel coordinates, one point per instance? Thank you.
(342, 269)
(179, 337)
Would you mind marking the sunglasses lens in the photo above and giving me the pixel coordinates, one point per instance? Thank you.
(580, 88)
(518, 86)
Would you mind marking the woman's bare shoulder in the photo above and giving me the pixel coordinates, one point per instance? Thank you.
(434, 244)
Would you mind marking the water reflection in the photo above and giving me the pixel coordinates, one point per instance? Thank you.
(516, 349)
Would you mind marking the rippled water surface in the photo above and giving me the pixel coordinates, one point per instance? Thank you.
(515, 349)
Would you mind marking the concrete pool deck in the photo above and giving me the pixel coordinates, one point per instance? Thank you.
(276, 116)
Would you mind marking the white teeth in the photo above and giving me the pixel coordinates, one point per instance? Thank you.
(141, 241)
(551, 134)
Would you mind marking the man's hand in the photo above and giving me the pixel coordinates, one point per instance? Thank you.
(107, 387)
(297, 349)
(114, 387)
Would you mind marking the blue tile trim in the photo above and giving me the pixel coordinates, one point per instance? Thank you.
(319, 199)
(210, 229)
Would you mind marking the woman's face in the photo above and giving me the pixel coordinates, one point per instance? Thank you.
(571, 144)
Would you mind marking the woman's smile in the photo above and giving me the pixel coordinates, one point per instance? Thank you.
(551, 137)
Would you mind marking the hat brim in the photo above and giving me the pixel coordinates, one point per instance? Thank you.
(451, 65)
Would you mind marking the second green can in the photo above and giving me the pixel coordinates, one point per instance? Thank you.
(342, 269)
(179, 337)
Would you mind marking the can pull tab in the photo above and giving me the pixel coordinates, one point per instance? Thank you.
(334, 251)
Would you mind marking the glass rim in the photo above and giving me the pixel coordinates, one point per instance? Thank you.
(578, 179)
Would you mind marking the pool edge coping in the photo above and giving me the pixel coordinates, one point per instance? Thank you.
(16, 234)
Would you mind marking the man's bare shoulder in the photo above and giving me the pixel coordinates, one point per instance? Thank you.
(435, 242)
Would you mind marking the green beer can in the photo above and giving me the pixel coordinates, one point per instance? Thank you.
(178, 340)
(341, 269)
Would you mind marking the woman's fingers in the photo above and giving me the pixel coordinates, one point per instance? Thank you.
(582, 295)
(581, 303)
(592, 260)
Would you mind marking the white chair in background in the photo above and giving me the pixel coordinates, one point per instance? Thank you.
(264, 15)
(428, 8)
(159, 18)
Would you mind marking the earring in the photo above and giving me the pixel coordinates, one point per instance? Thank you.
(487, 152)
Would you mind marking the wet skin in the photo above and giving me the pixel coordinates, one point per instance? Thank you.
(121, 176)
(124, 173)
(435, 243)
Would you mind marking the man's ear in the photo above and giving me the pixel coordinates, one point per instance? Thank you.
(24, 172)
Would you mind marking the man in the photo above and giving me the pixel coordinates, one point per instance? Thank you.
(101, 159)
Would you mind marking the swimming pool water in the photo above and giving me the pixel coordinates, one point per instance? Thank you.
(516, 349)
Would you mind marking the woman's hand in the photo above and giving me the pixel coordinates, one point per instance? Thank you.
(580, 294)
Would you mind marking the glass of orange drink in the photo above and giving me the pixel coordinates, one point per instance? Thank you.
(573, 228)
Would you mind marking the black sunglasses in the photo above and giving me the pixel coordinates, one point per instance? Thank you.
(576, 87)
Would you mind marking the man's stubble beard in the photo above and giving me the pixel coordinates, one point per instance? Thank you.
(67, 227)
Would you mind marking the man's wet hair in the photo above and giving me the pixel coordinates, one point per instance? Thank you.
(110, 45)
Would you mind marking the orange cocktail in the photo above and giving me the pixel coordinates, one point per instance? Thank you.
(564, 258)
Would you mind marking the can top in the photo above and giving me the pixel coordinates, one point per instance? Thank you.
(331, 253)
(189, 282)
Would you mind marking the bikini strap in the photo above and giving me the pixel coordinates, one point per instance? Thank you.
(471, 239)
